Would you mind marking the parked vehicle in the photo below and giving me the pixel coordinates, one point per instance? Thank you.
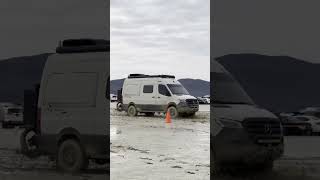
(313, 121)
(243, 135)
(72, 107)
(300, 124)
(201, 100)
(157, 93)
(13, 116)
(311, 111)
(206, 99)
(113, 98)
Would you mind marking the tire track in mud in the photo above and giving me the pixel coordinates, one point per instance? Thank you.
(161, 158)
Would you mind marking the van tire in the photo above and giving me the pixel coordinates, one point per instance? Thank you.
(26, 146)
(71, 156)
(132, 111)
(173, 112)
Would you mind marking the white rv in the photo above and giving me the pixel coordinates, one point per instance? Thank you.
(73, 104)
(157, 93)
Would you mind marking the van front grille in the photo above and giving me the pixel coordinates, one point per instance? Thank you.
(193, 103)
(264, 130)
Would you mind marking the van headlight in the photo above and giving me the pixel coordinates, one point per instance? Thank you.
(230, 123)
(183, 102)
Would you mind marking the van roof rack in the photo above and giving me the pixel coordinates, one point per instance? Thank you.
(83, 45)
(132, 76)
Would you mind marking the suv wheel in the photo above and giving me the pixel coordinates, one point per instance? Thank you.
(71, 156)
(132, 111)
(173, 111)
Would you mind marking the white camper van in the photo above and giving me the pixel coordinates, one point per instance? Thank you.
(157, 93)
(242, 134)
(73, 106)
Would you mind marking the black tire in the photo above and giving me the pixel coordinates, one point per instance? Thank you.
(28, 145)
(119, 106)
(71, 156)
(132, 111)
(173, 112)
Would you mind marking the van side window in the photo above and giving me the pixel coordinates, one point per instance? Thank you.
(148, 89)
(163, 90)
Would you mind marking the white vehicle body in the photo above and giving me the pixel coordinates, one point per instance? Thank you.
(157, 94)
(239, 128)
(74, 102)
(312, 120)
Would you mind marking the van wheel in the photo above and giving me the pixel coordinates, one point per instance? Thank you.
(173, 112)
(119, 106)
(71, 156)
(132, 111)
(28, 145)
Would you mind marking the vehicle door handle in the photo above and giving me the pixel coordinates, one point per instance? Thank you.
(63, 112)
(158, 97)
(153, 97)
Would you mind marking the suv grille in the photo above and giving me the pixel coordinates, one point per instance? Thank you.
(193, 103)
(264, 130)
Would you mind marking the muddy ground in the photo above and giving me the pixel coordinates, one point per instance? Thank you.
(148, 148)
(14, 166)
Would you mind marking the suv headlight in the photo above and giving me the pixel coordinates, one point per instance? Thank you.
(230, 123)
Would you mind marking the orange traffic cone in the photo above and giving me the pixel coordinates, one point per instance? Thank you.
(168, 117)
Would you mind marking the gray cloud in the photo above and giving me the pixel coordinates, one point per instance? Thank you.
(158, 36)
(287, 27)
(35, 26)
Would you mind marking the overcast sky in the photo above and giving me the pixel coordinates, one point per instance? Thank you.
(36, 26)
(160, 37)
(272, 27)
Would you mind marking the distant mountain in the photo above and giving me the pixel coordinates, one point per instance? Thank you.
(196, 87)
(278, 83)
(17, 74)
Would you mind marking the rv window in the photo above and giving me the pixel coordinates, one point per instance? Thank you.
(131, 90)
(71, 89)
(163, 90)
(148, 89)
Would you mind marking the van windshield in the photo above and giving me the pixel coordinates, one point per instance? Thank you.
(177, 89)
(227, 91)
